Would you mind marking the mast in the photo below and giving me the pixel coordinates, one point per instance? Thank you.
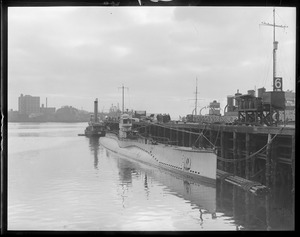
(196, 101)
(275, 46)
(122, 97)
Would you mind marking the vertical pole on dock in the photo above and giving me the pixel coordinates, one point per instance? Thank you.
(268, 161)
(234, 152)
(247, 154)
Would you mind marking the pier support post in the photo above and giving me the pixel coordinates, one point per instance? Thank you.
(247, 154)
(234, 140)
(274, 161)
(268, 162)
(268, 210)
(234, 201)
(221, 197)
(293, 163)
(247, 208)
(210, 135)
(222, 164)
(253, 159)
(239, 164)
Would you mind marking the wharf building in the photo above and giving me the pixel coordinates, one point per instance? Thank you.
(213, 116)
(251, 109)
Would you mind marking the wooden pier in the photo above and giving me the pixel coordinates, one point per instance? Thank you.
(261, 154)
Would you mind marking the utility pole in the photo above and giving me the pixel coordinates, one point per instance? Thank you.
(275, 46)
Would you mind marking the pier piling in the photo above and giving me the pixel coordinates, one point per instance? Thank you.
(268, 161)
(247, 154)
(256, 153)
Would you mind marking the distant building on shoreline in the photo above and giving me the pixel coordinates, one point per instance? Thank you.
(29, 104)
(29, 110)
(47, 110)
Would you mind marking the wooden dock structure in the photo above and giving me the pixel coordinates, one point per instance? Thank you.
(264, 154)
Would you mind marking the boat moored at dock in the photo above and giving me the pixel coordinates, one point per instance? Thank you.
(96, 127)
(195, 163)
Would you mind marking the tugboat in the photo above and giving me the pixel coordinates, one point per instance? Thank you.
(195, 163)
(96, 127)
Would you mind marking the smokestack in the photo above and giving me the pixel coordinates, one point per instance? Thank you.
(46, 103)
(96, 110)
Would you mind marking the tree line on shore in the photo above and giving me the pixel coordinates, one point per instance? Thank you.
(63, 114)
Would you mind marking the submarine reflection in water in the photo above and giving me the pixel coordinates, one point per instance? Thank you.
(202, 195)
(94, 147)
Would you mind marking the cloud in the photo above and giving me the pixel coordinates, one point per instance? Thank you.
(84, 53)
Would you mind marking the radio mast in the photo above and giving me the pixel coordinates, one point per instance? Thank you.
(196, 101)
(123, 97)
(275, 47)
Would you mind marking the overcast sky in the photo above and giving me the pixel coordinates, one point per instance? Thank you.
(72, 55)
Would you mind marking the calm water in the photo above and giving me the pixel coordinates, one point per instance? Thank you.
(60, 181)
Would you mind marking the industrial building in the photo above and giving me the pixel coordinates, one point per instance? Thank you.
(29, 104)
(268, 108)
(47, 110)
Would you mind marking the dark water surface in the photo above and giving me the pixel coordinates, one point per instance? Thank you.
(60, 181)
